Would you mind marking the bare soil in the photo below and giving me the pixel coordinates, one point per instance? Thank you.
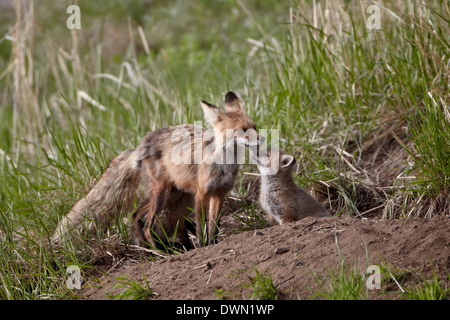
(294, 255)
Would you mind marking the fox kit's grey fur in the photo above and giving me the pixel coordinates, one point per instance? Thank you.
(280, 197)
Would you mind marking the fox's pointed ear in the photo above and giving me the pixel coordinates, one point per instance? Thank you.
(286, 160)
(211, 112)
(233, 103)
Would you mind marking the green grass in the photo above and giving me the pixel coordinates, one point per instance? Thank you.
(433, 289)
(431, 136)
(262, 285)
(131, 289)
(249, 218)
(71, 101)
(344, 284)
(347, 283)
(222, 294)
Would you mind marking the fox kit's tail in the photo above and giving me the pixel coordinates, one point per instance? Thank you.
(112, 195)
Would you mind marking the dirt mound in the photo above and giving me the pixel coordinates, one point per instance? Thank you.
(294, 254)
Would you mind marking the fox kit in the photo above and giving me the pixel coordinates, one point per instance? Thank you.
(171, 224)
(280, 197)
(202, 171)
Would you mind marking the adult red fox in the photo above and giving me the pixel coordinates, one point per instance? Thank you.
(208, 165)
(186, 157)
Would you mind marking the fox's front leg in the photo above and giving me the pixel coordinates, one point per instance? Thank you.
(201, 209)
(215, 205)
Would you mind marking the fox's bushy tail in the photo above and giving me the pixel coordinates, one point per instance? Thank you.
(114, 194)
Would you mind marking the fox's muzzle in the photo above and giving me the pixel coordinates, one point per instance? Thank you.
(253, 139)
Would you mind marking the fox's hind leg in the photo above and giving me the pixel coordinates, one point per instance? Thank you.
(215, 205)
(201, 210)
(137, 235)
(140, 219)
(160, 194)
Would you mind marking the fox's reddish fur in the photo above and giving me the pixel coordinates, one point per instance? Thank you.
(171, 186)
(210, 182)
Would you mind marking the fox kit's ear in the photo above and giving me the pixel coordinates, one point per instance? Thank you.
(211, 112)
(286, 160)
(233, 103)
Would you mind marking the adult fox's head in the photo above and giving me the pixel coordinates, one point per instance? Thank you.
(233, 122)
